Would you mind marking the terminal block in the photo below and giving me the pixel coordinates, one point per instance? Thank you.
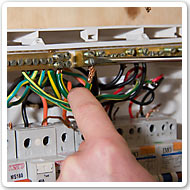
(78, 139)
(87, 46)
(35, 141)
(146, 131)
(64, 138)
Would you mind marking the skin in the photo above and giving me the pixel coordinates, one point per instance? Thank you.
(104, 155)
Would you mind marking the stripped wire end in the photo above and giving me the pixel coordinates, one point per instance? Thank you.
(140, 110)
(10, 125)
(91, 74)
(59, 71)
(154, 109)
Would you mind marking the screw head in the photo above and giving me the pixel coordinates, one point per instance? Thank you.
(68, 64)
(35, 61)
(145, 51)
(100, 53)
(67, 55)
(13, 62)
(43, 61)
(28, 61)
(89, 54)
(50, 60)
(130, 51)
(89, 62)
(20, 62)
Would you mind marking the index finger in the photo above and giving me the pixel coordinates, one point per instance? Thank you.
(90, 116)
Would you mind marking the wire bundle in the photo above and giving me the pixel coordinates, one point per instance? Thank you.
(35, 82)
(140, 86)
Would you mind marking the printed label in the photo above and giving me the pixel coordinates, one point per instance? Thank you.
(14, 167)
(167, 149)
(16, 176)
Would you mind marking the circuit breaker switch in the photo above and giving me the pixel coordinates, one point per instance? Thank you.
(44, 168)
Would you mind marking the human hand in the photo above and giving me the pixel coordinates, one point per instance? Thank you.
(104, 155)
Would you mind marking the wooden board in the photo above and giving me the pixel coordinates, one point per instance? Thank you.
(58, 17)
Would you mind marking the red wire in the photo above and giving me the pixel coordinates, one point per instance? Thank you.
(130, 107)
(157, 78)
(120, 89)
(81, 81)
(126, 77)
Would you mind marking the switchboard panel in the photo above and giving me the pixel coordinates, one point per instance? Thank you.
(135, 72)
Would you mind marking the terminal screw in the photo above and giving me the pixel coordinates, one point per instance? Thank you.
(89, 54)
(140, 50)
(130, 51)
(68, 64)
(179, 49)
(43, 61)
(145, 51)
(160, 53)
(122, 55)
(28, 61)
(50, 61)
(20, 62)
(67, 55)
(57, 64)
(35, 61)
(100, 53)
(62, 56)
(89, 62)
(170, 50)
(13, 63)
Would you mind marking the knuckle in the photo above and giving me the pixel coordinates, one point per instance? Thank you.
(106, 147)
(68, 167)
(70, 161)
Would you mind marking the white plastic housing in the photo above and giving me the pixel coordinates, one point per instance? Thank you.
(35, 141)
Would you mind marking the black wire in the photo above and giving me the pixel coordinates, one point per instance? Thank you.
(95, 85)
(143, 103)
(115, 80)
(138, 89)
(23, 111)
(150, 91)
(143, 77)
(131, 78)
(146, 96)
(136, 69)
(12, 87)
(82, 70)
(110, 111)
